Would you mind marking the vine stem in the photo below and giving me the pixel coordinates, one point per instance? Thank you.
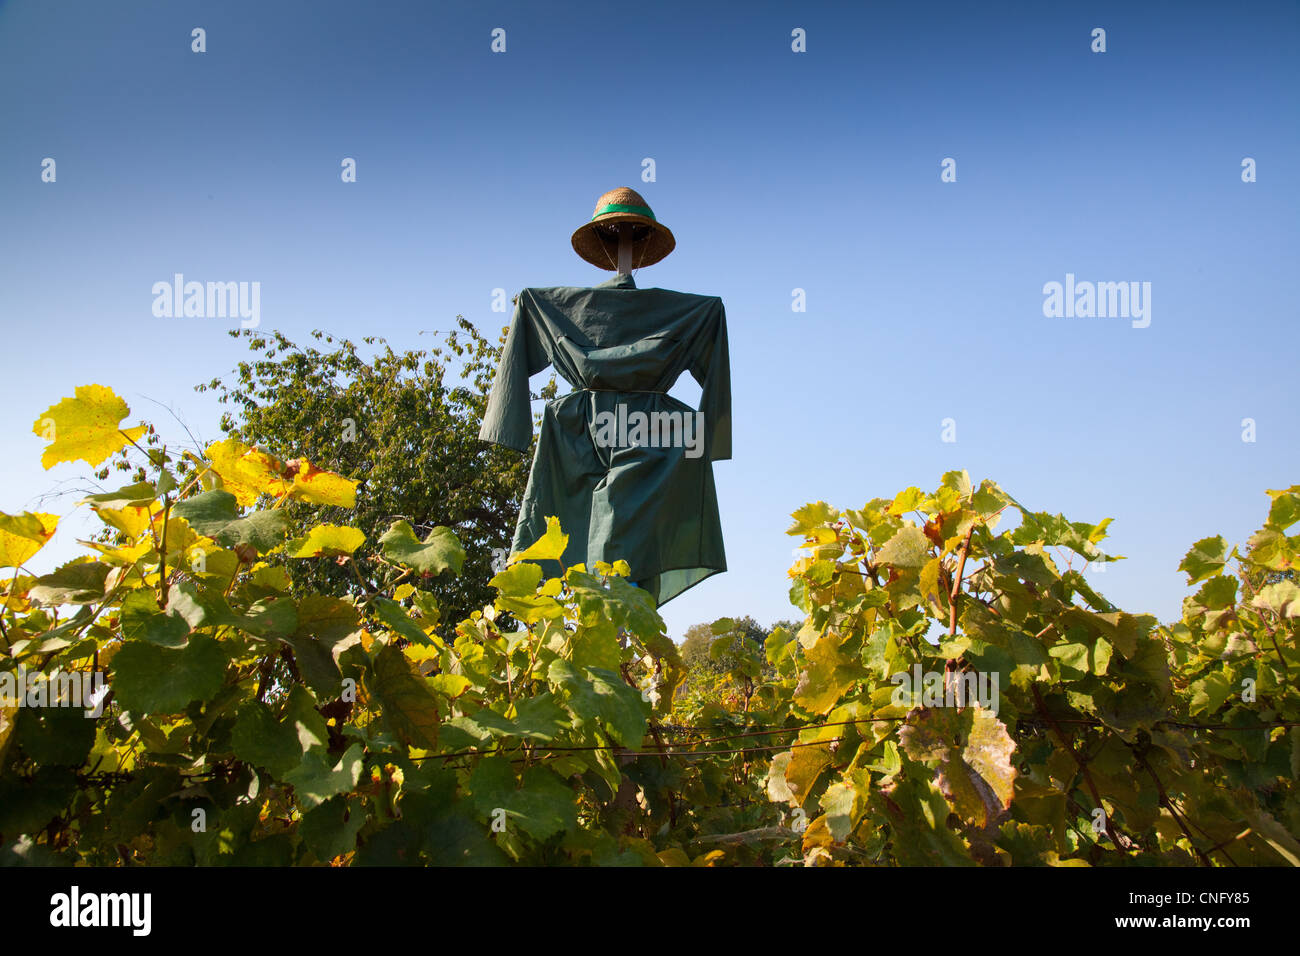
(779, 834)
(956, 582)
(1169, 805)
(1272, 631)
(162, 554)
(136, 445)
(360, 580)
(1111, 831)
(264, 674)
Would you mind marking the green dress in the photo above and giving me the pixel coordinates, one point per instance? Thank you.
(626, 467)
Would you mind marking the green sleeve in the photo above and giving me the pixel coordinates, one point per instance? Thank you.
(508, 420)
(712, 369)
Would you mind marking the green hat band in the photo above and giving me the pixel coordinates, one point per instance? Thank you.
(624, 207)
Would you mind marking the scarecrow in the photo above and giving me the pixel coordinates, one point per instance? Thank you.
(626, 467)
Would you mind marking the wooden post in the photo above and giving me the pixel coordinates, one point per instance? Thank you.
(624, 248)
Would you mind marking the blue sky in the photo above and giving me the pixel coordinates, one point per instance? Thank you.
(775, 170)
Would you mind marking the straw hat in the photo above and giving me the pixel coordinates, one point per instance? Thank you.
(597, 240)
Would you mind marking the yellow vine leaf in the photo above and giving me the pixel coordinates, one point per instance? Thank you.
(246, 472)
(124, 556)
(131, 520)
(86, 427)
(326, 539)
(320, 487)
(21, 536)
(549, 546)
(8, 721)
(181, 539)
(14, 596)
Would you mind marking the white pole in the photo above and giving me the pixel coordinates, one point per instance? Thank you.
(624, 248)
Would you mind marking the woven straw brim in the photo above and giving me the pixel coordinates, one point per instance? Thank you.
(601, 250)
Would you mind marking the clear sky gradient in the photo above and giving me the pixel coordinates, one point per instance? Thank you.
(776, 170)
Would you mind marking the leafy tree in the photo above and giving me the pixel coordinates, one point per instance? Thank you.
(700, 639)
(697, 648)
(404, 426)
(719, 657)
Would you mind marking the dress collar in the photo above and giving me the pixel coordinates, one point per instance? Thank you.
(618, 282)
